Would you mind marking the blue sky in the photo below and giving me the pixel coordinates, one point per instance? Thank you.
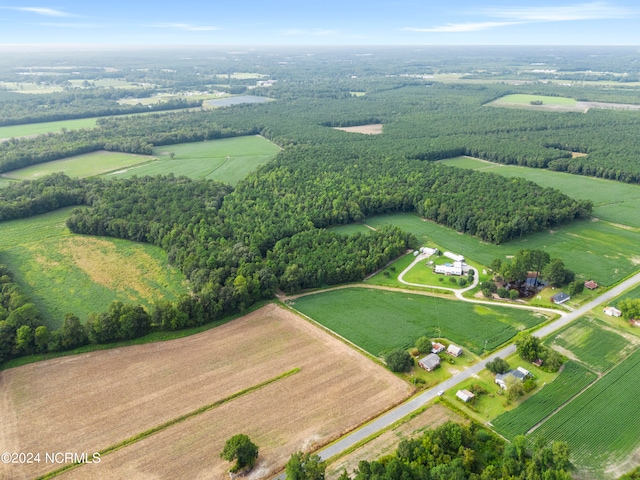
(321, 22)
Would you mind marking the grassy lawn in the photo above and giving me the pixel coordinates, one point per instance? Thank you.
(422, 273)
(228, 160)
(611, 251)
(593, 343)
(81, 166)
(613, 201)
(380, 321)
(494, 403)
(524, 99)
(46, 127)
(5, 182)
(62, 272)
(601, 426)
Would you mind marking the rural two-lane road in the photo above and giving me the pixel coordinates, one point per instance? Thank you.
(415, 403)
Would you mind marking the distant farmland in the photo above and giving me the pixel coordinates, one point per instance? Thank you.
(46, 127)
(380, 321)
(81, 166)
(62, 272)
(98, 400)
(228, 160)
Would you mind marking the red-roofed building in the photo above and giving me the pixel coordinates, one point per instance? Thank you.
(591, 285)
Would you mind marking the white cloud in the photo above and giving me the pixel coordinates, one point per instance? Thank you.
(186, 26)
(523, 15)
(47, 12)
(579, 11)
(462, 27)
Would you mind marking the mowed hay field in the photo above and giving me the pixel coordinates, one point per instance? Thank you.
(594, 250)
(612, 201)
(228, 160)
(89, 402)
(81, 166)
(66, 273)
(46, 127)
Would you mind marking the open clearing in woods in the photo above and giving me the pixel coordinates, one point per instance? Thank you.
(373, 129)
(66, 273)
(89, 402)
(81, 166)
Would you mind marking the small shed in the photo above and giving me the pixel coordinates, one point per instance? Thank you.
(612, 311)
(437, 347)
(559, 298)
(465, 395)
(591, 285)
(430, 362)
(454, 350)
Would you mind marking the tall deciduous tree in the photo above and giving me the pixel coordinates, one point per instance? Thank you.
(241, 449)
(305, 466)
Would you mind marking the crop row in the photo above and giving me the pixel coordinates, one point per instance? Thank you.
(601, 426)
(535, 409)
(598, 347)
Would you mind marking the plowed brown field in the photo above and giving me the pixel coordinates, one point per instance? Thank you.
(89, 402)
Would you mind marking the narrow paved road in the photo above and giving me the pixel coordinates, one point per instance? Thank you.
(414, 404)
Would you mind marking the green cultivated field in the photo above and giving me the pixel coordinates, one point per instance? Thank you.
(535, 409)
(611, 251)
(593, 343)
(379, 321)
(524, 99)
(613, 201)
(81, 166)
(601, 425)
(228, 160)
(62, 272)
(46, 127)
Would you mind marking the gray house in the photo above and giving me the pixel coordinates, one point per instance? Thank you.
(430, 362)
(520, 375)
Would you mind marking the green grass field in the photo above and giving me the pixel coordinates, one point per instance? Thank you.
(62, 272)
(594, 250)
(524, 99)
(228, 160)
(81, 166)
(380, 321)
(601, 425)
(46, 127)
(536, 408)
(613, 201)
(593, 343)
(5, 182)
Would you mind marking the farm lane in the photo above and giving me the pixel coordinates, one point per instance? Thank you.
(417, 402)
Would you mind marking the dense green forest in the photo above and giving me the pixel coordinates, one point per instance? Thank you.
(237, 246)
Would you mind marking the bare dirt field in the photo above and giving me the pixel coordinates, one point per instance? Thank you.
(373, 129)
(388, 442)
(89, 402)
